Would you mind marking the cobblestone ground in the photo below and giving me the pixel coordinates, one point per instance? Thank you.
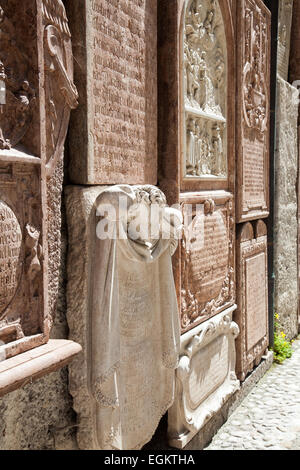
(269, 418)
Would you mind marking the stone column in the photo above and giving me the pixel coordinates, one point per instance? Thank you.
(286, 224)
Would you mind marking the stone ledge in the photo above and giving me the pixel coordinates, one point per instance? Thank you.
(20, 370)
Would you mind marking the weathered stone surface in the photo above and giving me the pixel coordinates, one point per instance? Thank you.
(115, 51)
(205, 378)
(294, 69)
(284, 37)
(252, 297)
(253, 108)
(285, 230)
(207, 256)
(36, 98)
(122, 308)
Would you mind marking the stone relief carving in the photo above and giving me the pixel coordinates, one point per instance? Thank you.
(252, 312)
(207, 262)
(205, 377)
(255, 86)
(17, 94)
(36, 72)
(204, 71)
(132, 317)
(61, 93)
(140, 324)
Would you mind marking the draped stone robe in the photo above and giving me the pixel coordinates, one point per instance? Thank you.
(135, 324)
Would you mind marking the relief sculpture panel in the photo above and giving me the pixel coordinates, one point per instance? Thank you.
(207, 257)
(253, 109)
(36, 57)
(204, 91)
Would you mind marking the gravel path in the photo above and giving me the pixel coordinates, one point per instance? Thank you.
(269, 418)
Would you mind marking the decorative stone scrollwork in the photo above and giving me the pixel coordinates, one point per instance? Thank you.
(205, 79)
(255, 100)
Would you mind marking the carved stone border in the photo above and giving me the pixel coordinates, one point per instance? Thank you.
(184, 422)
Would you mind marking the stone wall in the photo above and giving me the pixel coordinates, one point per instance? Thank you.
(40, 415)
(285, 229)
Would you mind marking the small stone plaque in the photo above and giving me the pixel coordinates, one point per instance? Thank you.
(252, 290)
(253, 109)
(284, 37)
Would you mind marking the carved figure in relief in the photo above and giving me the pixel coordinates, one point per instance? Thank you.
(191, 147)
(34, 251)
(16, 112)
(61, 92)
(218, 150)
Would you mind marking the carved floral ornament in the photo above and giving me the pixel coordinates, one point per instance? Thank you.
(204, 84)
(255, 101)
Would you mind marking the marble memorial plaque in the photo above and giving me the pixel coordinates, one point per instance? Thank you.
(37, 94)
(252, 289)
(113, 137)
(205, 378)
(122, 308)
(207, 257)
(253, 109)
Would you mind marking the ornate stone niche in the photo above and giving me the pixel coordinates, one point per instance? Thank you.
(122, 308)
(252, 288)
(207, 257)
(284, 37)
(204, 70)
(37, 94)
(205, 377)
(253, 109)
